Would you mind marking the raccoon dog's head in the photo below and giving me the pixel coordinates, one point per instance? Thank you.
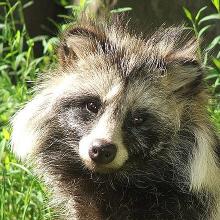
(117, 105)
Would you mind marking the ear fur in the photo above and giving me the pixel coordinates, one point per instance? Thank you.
(180, 54)
(78, 42)
(186, 78)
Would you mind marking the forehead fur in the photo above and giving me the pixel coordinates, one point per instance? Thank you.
(113, 42)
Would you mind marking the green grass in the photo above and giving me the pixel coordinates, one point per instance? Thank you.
(201, 23)
(22, 195)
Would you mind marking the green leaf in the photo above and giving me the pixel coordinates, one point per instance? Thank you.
(3, 3)
(212, 76)
(119, 10)
(82, 3)
(21, 167)
(205, 58)
(6, 134)
(65, 17)
(28, 4)
(215, 41)
(4, 67)
(203, 30)
(188, 14)
(7, 162)
(210, 17)
(199, 12)
(217, 82)
(216, 4)
(39, 38)
(74, 7)
(217, 63)
(12, 9)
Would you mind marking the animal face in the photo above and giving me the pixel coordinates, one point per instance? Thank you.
(121, 125)
(112, 121)
(117, 104)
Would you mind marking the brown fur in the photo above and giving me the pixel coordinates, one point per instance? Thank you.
(172, 174)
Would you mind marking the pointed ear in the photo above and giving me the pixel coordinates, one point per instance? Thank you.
(184, 70)
(77, 43)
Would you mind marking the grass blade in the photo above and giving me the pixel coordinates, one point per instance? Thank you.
(216, 4)
(210, 17)
(188, 14)
(203, 30)
(214, 42)
(119, 10)
(200, 12)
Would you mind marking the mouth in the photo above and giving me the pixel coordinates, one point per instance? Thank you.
(101, 168)
(110, 178)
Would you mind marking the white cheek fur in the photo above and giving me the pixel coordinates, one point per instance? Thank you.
(26, 125)
(23, 135)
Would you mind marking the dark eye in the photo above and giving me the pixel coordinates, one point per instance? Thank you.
(138, 120)
(93, 106)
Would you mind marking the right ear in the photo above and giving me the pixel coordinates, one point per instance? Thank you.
(77, 43)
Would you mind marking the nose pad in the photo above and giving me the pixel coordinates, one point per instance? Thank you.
(102, 152)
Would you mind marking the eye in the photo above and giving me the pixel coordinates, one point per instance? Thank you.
(93, 106)
(138, 120)
(139, 117)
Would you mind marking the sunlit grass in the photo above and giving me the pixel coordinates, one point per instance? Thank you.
(22, 195)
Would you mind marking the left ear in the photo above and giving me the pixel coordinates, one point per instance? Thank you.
(77, 43)
(184, 69)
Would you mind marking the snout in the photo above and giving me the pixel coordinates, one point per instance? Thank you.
(102, 152)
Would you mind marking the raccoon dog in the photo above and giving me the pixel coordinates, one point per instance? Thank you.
(120, 129)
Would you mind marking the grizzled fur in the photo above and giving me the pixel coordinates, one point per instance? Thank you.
(151, 103)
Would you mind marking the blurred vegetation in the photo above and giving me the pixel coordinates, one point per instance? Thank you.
(201, 23)
(22, 196)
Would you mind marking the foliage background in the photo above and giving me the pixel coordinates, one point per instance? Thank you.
(23, 56)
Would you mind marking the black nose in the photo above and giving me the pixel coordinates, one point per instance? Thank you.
(102, 152)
